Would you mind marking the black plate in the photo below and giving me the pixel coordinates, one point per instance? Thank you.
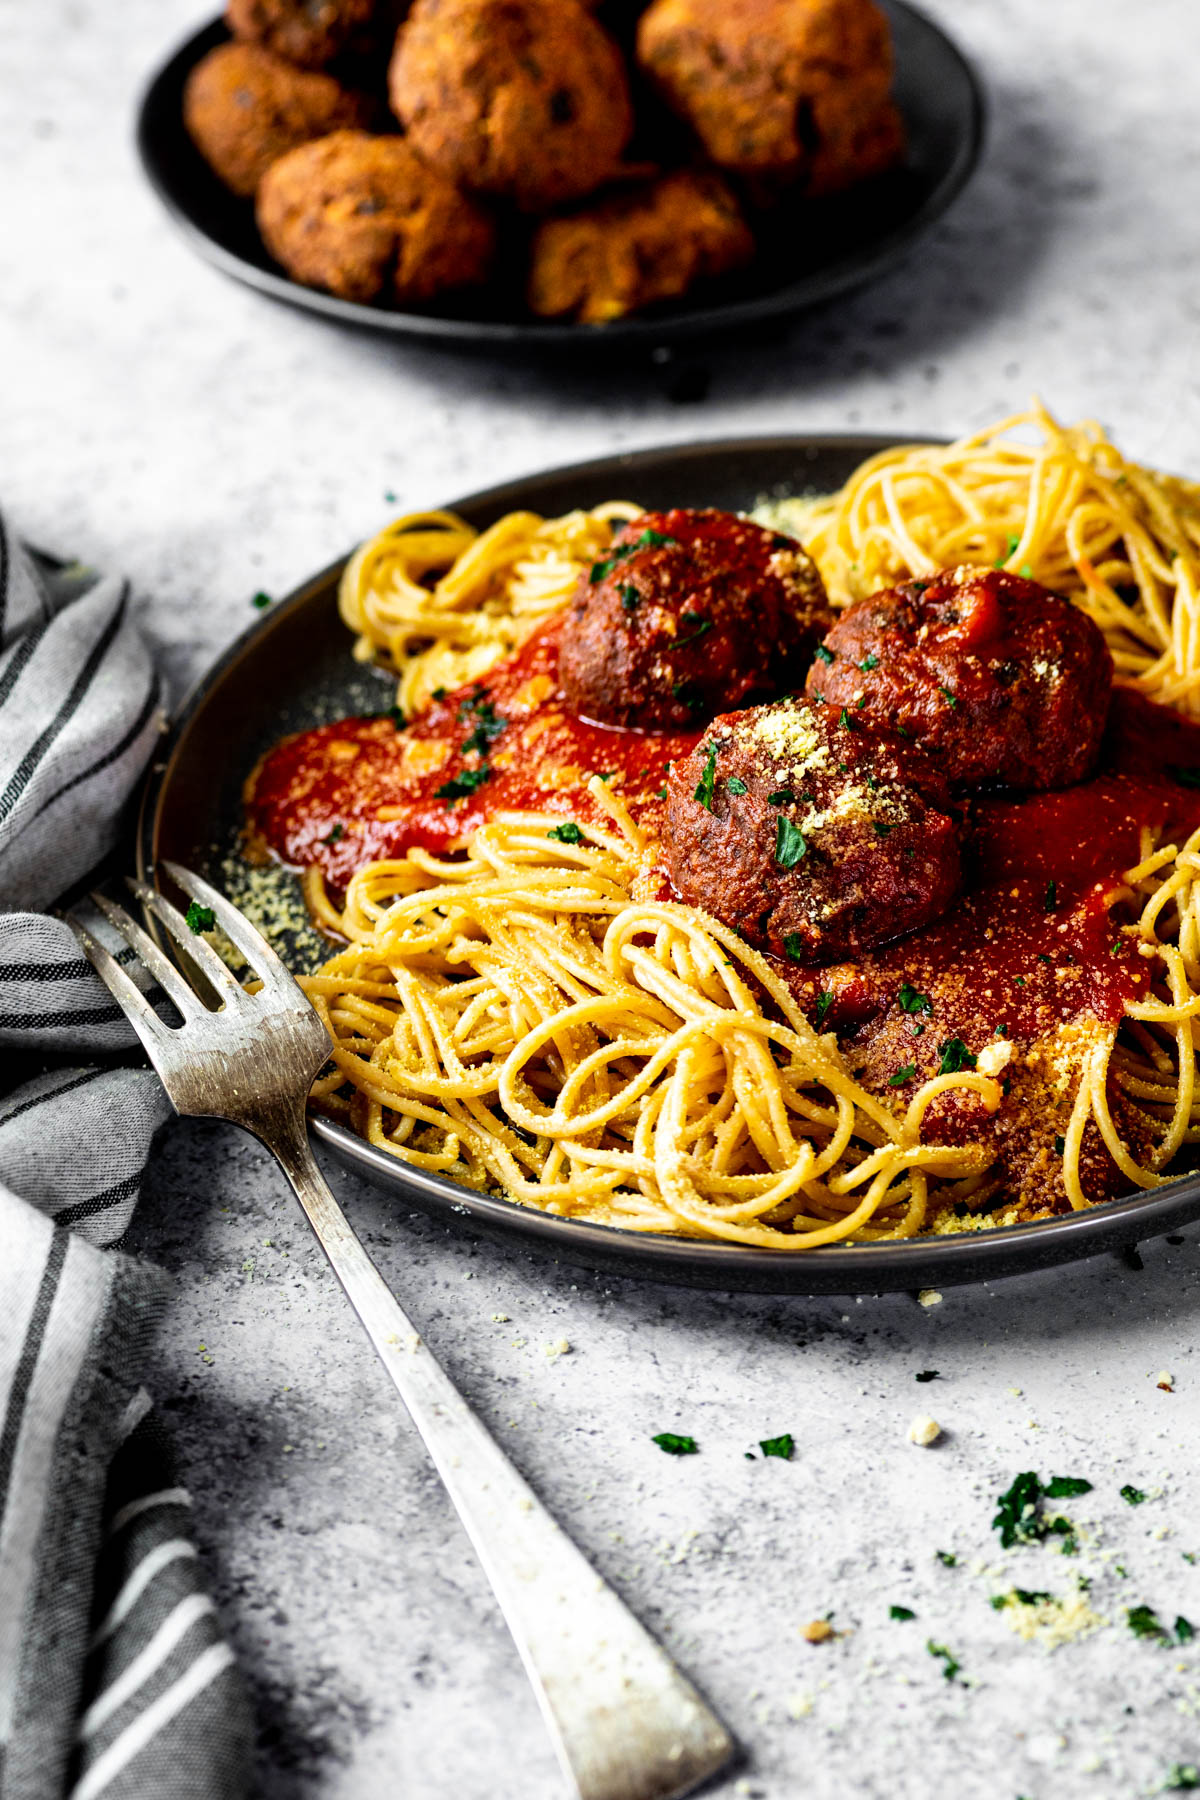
(829, 249)
(294, 669)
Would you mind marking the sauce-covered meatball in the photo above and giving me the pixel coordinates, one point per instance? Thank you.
(998, 677)
(526, 99)
(815, 837)
(690, 613)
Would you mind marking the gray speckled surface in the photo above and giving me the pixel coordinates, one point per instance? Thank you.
(159, 419)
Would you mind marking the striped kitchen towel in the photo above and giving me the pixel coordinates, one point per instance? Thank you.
(114, 1680)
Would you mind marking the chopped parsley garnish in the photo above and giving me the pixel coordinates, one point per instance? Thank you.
(901, 1612)
(824, 1002)
(1018, 981)
(1023, 1597)
(1185, 1631)
(825, 653)
(790, 843)
(1065, 1487)
(781, 797)
(660, 793)
(566, 834)
(707, 782)
(781, 1446)
(1060, 1145)
(459, 786)
(1050, 898)
(898, 1080)
(200, 918)
(1180, 1776)
(655, 540)
(949, 693)
(910, 1001)
(396, 715)
(334, 833)
(868, 663)
(1144, 1622)
(736, 785)
(261, 601)
(901, 732)
(686, 695)
(1020, 1520)
(1185, 776)
(439, 693)
(1026, 571)
(489, 725)
(793, 944)
(700, 622)
(881, 830)
(955, 1056)
(845, 719)
(947, 1558)
(861, 702)
(1134, 1496)
(674, 1445)
(927, 1375)
(950, 1663)
(649, 540)
(629, 596)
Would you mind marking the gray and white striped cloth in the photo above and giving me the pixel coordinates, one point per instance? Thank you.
(114, 1680)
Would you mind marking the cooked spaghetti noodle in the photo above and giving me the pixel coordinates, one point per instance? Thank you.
(1057, 503)
(492, 589)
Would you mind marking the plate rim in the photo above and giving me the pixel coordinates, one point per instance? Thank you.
(844, 276)
(951, 1259)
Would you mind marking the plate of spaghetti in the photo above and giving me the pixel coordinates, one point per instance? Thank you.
(764, 864)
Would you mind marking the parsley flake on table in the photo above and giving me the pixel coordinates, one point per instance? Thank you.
(566, 834)
(261, 601)
(1185, 1631)
(1019, 1518)
(824, 1002)
(951, 1666)
(781, 1446)
(955, 1057)
(1133, 1495)
(947, 1558)
(790, 843)
(901, 1612)
(1181, 1776)
(1144, 1622)
(674, 1445)
(707, 783)
(200, 918)
(1065, 1487)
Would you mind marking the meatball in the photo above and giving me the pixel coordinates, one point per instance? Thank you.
(690, 613)
(308, 32)
(791, 89)
(815, 837)
(648, 244)
(998, 677)
(365, 218)
(527, 99)
(244, 108)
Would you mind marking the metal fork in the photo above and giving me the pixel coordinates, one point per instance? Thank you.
(626, 1724)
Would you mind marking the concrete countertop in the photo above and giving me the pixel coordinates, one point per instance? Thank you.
(158, 419)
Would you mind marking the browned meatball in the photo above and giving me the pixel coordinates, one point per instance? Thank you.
(690, 613)
(365, 218)
(244, 108)
(791, 89)
(815, 838)
(522, 98)
(308, 32)
(997, 676)
(649, 244)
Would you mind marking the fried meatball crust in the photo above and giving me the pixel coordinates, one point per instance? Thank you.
(650, 243)
(814, 837)
(245, 108)
(793, 89)
(691, 612)
(999, 678)
(366, 219)
(307, 32)
(525, 99)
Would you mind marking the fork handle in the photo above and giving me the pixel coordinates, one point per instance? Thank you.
(626, 1724)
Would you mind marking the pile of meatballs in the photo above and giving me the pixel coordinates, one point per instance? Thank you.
(829, 821)
(615, 154)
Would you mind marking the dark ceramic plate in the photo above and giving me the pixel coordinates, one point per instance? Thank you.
(805, 257)
(293, 669)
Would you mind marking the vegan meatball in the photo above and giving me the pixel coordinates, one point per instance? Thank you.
(365, 218)
(993, 674)
(816, 838)
(522, 98)
(651, 243)
(790, 89)
(689, 613)
(308, 32)
(244, 109)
